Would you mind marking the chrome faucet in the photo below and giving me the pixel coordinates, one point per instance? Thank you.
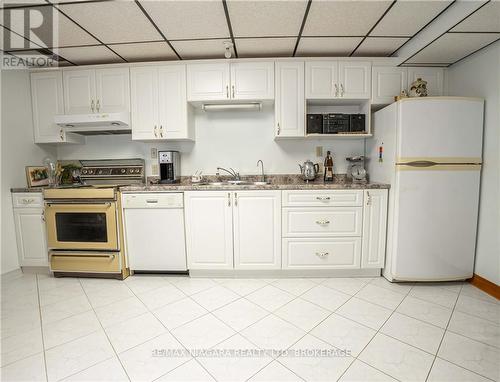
(231, 171)
(262, 165)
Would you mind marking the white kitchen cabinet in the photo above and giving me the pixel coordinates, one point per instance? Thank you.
(47, 102)
(159, 107)
(388, 82)
(374, 228)
(30, 229)
(289, 110)
(354, 79)
(230, 81)
(433, 76)
(338, 79)
(209, 229)
(96, 90)
(257, 229)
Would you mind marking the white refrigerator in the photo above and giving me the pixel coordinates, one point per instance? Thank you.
(429, 150)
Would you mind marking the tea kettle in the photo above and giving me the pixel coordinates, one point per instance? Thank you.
(309, 170)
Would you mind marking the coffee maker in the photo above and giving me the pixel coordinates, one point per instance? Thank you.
(170, 166)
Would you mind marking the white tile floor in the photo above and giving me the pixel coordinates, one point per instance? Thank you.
(107, 330)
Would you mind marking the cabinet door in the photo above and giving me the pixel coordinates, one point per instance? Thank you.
(290, 101)
(144, 91)
(257, 230)
(112, 90)
(433, 76)
(209, 229)
(31, 238)
(207, 82)
(321, 79)
(374, 229)
(387, 82)
(354, 79)
(252, 80)
(172, 111)
(79, 91)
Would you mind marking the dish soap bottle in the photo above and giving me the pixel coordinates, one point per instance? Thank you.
(328, 164)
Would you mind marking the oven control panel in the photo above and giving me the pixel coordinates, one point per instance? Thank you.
(112, 171)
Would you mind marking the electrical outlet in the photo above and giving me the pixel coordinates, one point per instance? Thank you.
(154, 169)
(154, 153)
(319, 151)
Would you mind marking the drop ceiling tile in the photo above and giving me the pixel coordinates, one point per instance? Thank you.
(113, 21)
(327, 46)
(486, 19)
(407, 17)
(193, 49)
(88, 55)
(188, 19)
(146, 51)
(343, 18)
(379, 46)
(265, 47)
(266, 18)
(453, 46)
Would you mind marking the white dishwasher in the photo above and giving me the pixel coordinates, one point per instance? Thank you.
(154, 231)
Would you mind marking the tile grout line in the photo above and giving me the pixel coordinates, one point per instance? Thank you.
(41, 327)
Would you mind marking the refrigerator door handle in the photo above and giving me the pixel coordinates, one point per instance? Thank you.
(420, 163)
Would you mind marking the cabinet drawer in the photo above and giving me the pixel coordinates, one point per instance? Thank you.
(337, 253)
(314, 222)
(27, 200)
(92, 263)
(333, 198)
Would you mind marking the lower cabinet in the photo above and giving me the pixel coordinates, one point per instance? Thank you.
(249, 219)
(30, 229)
(374, 228)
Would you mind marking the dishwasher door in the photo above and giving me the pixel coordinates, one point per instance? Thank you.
(154, 232)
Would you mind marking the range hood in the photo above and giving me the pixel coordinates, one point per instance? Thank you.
(95, 124)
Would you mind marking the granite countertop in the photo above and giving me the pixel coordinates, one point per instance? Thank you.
(276, 182)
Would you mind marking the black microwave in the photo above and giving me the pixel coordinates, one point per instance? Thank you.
(335, 123)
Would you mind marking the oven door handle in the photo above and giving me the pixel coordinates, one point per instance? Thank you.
(110, 257)
(67, 203)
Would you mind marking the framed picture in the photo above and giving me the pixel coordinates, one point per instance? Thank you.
(37, 176)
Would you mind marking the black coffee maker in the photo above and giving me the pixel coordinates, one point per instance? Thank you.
(170, 166)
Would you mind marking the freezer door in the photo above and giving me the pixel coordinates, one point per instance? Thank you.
(444, 129)
(435, 219)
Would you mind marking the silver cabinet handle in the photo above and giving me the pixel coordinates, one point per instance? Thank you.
(322, 222)
(322, 254)
(369, 198)
(336, 90)
(232, 91)
(92, 106)
(98, 105)
(227, 91)
(161, 131)
(229, 199)
(236, 199)
(279, 128)
(43, 215)
(156, 131)
(28, 201)
(341, 90)
(322, 197)
(61, 134)
(152, 201)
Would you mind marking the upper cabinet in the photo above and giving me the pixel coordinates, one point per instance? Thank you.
(289, 108)
(159, 107)
(433, 76)
(230, 81)
(387, 82)
(47, 102)
(338, 79)
(96, 91)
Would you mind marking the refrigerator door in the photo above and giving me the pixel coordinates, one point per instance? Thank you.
(436, 210)
(442, 129)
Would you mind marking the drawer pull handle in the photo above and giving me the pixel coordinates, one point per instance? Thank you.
(151, 201)
(322, 222)
(322, 254)
(323, 197)
(28, 201)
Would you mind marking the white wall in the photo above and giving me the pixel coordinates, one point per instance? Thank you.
(479, 75)
(227, 139)
(17, 151)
